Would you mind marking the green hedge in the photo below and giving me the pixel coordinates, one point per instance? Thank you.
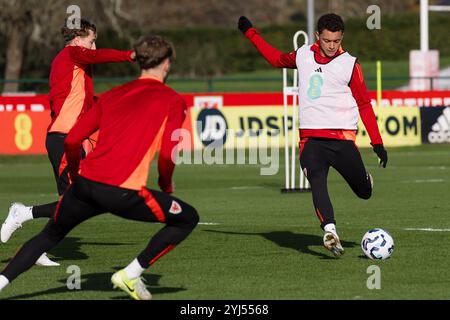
(212, 52)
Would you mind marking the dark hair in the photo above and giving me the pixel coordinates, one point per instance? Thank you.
(331, 22)
(69, 32)
(151, 51)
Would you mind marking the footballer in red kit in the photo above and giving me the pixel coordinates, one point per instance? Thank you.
(134, 121)
(71, 95)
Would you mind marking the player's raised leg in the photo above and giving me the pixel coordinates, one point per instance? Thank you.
(350, 165)
(153, 206)
(19, 213)
(71, 212)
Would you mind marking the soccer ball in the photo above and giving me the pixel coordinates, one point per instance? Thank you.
(377, 244)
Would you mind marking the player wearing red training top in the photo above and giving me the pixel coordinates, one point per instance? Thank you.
(71, 94)
(133, 120)
(331, 95)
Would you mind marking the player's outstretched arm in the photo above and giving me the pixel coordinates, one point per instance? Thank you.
(87, 56)
(244, 24)
(275, 57)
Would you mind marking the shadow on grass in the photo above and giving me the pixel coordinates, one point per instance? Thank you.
(70, 248)
(100, 282)
(297, 241)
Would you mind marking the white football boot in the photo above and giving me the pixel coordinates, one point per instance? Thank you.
(45, 261)
(18, 214)
(331, 242)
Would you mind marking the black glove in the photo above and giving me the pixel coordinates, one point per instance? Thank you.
(244, 24)
(381, 153)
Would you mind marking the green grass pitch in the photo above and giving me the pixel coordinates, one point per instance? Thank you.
(254, 243)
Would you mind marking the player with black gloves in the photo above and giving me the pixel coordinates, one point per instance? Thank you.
(332, 95)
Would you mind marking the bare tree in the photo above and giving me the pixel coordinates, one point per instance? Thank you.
(34, 21)
(114, 12)
(357, 8)
(32, 26)
(171, 14)
(15, 21)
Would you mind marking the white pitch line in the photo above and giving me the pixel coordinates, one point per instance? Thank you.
(427, 229)
(246, 188)
(209, 223)
(424, 181)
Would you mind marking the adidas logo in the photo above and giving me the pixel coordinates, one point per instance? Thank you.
(318, 70)
(441, 129)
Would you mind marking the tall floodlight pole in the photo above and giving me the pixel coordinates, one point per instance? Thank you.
(310, 10)
(424, 25)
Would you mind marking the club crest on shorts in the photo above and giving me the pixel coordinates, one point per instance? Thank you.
(175, 208)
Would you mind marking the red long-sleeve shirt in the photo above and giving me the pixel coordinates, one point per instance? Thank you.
(279, 59)
(133, 120)
(71, 88)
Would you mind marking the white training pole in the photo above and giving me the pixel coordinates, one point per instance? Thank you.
(294, 133)
(302, 179)
(311, 19)
(292, 91)
(424, 25)
(286, 131)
